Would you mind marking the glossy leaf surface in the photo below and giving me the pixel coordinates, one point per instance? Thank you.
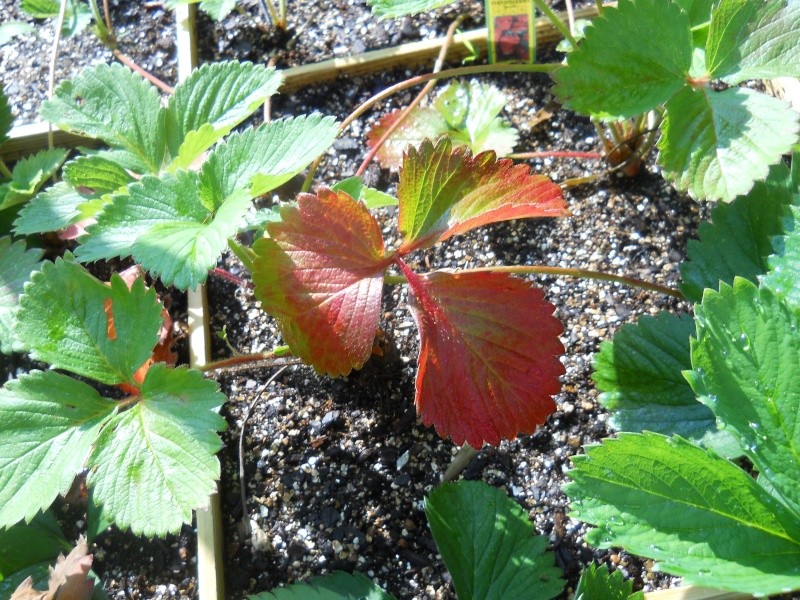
(633, 58)
(783, 276)
(334, 586)
(597, 583)
(698, 515)
(488, 544)
(746, 361)
(444, 192)
(16, 266)
(399, 8)
(320, 273)
(30, 174)
(488, 363)
(55, 208)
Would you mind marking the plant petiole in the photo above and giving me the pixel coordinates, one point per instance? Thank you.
(4, 170)
(421, 79)
(244, 360)
(556, 21)
(529, 155)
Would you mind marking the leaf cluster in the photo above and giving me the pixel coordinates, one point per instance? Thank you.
(704, 390)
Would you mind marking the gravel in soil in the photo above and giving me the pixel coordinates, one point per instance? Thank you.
(336, 469)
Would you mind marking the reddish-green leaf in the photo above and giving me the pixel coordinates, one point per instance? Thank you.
(488, 365)
(444, 192)
(320, 273)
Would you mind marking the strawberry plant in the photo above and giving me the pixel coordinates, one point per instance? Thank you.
(672, 496)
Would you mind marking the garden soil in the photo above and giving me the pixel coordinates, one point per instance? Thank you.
(335, 470)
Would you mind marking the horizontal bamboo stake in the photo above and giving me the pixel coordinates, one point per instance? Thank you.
(32, 137)
(411, 54)
(692, 592)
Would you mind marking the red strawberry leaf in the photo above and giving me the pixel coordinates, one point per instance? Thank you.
(422, 123)
(444, 192)
(488, 363)
(320, 274)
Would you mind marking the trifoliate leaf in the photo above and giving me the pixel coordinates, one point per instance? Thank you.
(16, 266)
(700, 516)
(716, 144)
(400, 8)
(26, 544)
(754, 40)
(6, 118)
(30, 174)
(335, 586)
(48, 423)
(467, 113)
(55, 208)
(488, 544)
(746, 361)
(74, 322)
(114, 104)
(596, 583)
(444, 192)
(632, 59)
(164, 225)
(212, 101)
(320, 274)
(488, 363)
(259, 160)
(737, 239)
(154, 463)
(640, 375)
(372, 198)
(783, 276)
(99, 175)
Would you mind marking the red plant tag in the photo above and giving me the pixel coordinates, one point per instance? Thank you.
(488, 364)
(320, 274)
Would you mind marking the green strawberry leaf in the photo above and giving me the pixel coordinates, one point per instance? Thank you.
(114, 104)
(489, 358)
(700, 516)
(98, 174)
(74, 322)
(400, 8)
(26, 544)
(737, 240)
(334, 586)
(715, 145)
(596, 583)
(444, 192)
(633, 58)
(76, 17)
(639, 375)
(259, 160)
(212, 101)
(467, 113)
(30, 174)
(55, 208)
(746, 361)
(372, 198)
(6, 118)
(754, 40)
(320, 274)
(488, 544)
(16, 266)
(783, 276)
(8, 31)
(48, 423)
(163, 223)
(154, 463)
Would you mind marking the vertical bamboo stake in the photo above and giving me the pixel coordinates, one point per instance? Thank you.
(210, 582)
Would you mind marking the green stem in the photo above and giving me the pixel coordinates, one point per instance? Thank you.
(560, 271)
(243, 253)
(247, 359)
(556, 21)
(546, 154)
(103, 26)
(4, 170)
(419, 80)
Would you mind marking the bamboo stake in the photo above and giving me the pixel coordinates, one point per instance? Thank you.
(210, 580)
